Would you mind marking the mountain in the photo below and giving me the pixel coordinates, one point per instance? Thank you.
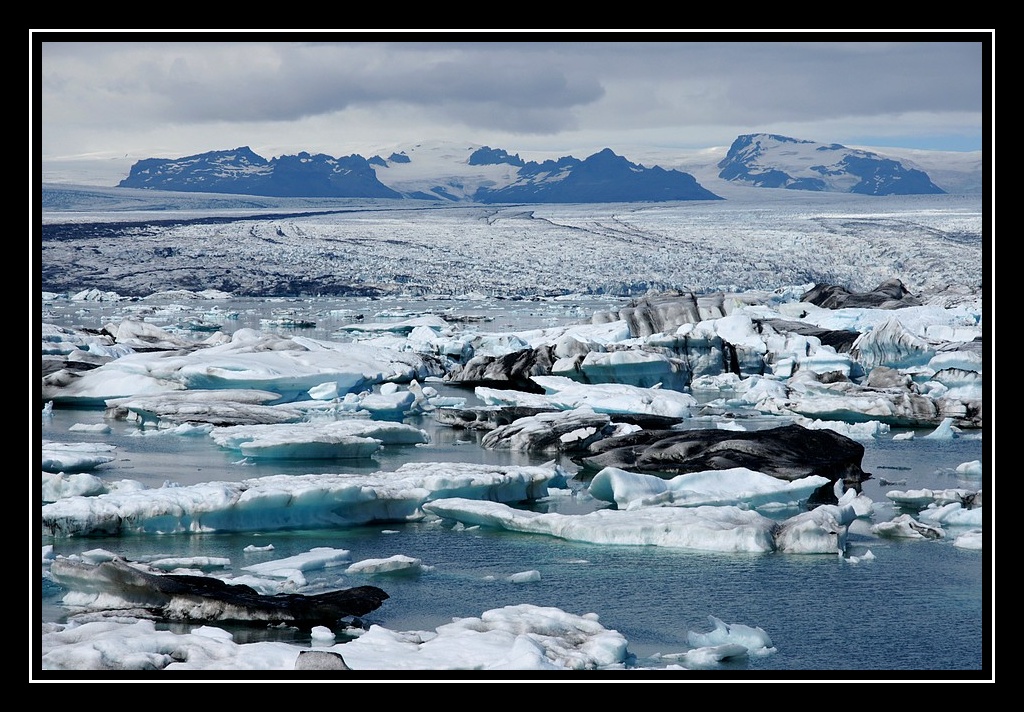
(953, 171)
(485, 175)
(463, 172)
(602, 178)
(245, 173)
(772, 161)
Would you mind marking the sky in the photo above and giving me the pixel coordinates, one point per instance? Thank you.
(284, 92)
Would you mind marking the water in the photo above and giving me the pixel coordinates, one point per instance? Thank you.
(916, 606)
(329, 315)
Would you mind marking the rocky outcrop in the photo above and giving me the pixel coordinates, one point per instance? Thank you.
(204, 598)
(320, 660)
(512, 370)
(891, 294)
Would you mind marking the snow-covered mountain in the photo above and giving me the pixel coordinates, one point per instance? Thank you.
(603, 177)
(773, 161)
(483, 175)
(448, 171)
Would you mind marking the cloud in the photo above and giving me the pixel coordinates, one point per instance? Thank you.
(116, 95)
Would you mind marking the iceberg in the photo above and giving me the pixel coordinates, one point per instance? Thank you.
(294, 501)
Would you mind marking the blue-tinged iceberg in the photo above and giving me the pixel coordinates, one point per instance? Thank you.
(727, 529)
(346, 438)
(247, 360)
(723, 529)
(562, 393)
(75, 457)
(282, 502)
(733, 486)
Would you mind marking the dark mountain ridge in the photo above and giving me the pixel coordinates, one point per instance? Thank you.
(603, 177)
(482, 174)
(243, 172)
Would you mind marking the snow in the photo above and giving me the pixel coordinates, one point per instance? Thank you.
(730, 486)
(547, 250)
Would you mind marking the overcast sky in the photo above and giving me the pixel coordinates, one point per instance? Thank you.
(172, 99)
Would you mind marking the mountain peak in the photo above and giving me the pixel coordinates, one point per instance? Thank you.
(773, 161)
(487, 155)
